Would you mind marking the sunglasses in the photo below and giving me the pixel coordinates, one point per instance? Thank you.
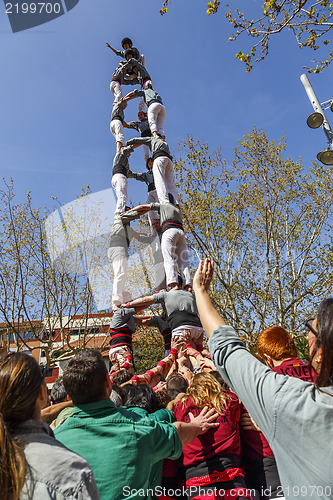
(308, 325)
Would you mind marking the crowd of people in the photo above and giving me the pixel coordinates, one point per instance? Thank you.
(201, 424)
(214, 423)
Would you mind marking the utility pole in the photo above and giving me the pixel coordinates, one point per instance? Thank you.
(318, 119)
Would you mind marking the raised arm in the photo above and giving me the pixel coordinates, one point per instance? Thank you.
(209, 316)
(113, 50)
(255, 384)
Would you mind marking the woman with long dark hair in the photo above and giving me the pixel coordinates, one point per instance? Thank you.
(34, 465)
(211, 461)
(295, 416)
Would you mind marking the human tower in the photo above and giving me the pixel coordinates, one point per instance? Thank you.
(165, 218)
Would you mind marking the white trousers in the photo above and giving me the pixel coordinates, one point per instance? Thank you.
(146, 152)
(164, 179)
(156, 117)
(159, 271)
(118, 258)
(174, 250)
(115, 88)
(116, 356)
(117, 130)
(194, 331)
(119, 184)
(152, 198)
(142, 105)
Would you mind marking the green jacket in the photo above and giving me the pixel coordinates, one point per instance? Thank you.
(120, 446)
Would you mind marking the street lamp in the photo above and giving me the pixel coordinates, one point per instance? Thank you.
(318, 119)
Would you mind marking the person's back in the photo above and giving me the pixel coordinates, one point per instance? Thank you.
(212, 460)
(169, 212)
(119, 445)
(180, 306)
(55, 472)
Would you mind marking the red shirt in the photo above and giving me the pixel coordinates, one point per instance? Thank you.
(294, 367)
(219, 441)
(254, 444)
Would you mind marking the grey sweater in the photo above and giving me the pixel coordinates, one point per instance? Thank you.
(120, 162)
(118, 111)
(142, 127)
(142, 75)
(156, 144)
(122, 234)
(296, 419)
(123, 318)
(149, 96)
(177, 300)
(146, 177)
(167, 211)
(136, 53)
(119, 74)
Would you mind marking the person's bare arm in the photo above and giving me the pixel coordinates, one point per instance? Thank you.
(51, 412)
(114, 50)
(198, 425)
(130, 96)
(142, 209)
(209, 316)
(142, 302)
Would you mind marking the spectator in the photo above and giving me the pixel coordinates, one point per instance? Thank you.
(277, 349)
(294, 415)
(58, 392)
(120, 446)
(59, 395)
(219, 450)
(34, 466)
(176, 385)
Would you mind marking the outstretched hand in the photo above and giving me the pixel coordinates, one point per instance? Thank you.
(205, 420)
(177, 343)
(203, 275)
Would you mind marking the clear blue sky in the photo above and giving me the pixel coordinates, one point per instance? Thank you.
(56, 102)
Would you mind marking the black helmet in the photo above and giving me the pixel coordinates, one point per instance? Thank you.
(126, 40)
(129, 52)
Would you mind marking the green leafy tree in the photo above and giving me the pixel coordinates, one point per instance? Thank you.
(267, 224)
(309, 22)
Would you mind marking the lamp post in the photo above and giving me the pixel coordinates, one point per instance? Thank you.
(318, 119)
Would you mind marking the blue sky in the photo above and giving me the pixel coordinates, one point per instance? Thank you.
(56, 102)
